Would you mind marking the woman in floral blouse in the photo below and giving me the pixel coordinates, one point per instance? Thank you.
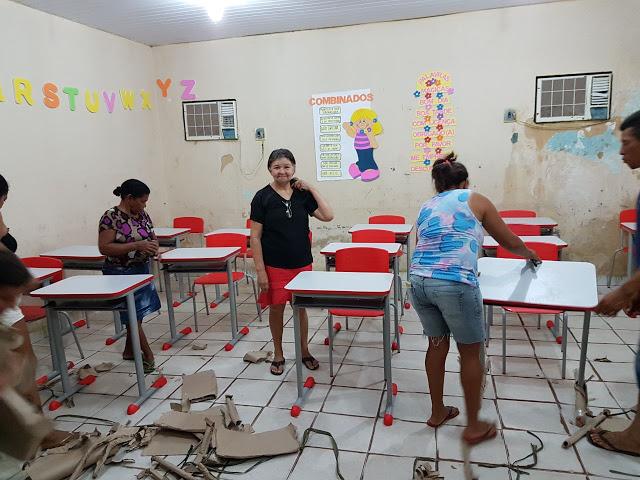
(127, 240)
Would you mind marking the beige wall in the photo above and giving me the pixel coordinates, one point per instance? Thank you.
(493, 57)
(61, 165)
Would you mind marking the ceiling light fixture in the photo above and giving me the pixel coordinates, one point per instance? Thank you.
(215, 8)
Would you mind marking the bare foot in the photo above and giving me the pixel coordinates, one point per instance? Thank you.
(480, 432)
(623, 441)
(57, 438)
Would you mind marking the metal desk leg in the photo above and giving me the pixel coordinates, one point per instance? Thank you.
(581, 406)
(144, 392)
(327, 265)
(175, 336)
(408, 254)
(303, 389)
(235, 334)
(395, 345)
(630, 254)
(53, 321)
(392, 389)
(120, 332)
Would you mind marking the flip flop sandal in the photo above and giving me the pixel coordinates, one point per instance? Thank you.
(452, 412)
(148, 366)
(277, 367)
(609, 446)
(489, 434)
(310, 362)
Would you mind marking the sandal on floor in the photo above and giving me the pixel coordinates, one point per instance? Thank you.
(489, 434)
(148, 366)
(277, 367)
(607, 444)
(452, 412)
(310, 362)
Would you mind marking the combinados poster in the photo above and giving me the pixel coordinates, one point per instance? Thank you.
(346, 131)
(434, 128)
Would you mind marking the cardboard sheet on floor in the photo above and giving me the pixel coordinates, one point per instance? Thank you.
(257, 356)
(22, 428)
(239, 444)
(194, 422)
(59, 466)
(170, 443)
(199, 387)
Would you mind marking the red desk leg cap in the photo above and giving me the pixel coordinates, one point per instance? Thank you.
(88, 380)
(407, 305)
(160, 382)
(228, 347)
(54, 405)
(401, 329)
(166, 346)
(110, 341)
(133, 409)
(70, 365)
(550, 323)
(326, 341)
(244, 330)
(394, 346)
(559, 340)
(388, 419)
(394, 389)
(309, 382)
(80, 323)
(176, 304)
(295, 410)
(186, 331)
(42, 380)
(225, 294)
(213, 304)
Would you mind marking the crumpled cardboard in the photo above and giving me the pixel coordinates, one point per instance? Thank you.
(170, 443)
(257, 356)
(239, 444)
(194, 422)
(198, 346)
(199, 387)
(85, 371)
(62, 465)
(231, 417)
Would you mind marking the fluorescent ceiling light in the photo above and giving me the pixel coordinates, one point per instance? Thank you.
(215, 8)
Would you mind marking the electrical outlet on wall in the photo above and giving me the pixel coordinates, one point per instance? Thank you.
(260, 134)
(509, 115)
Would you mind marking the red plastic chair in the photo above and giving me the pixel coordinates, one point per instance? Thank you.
(517, 213)
(392, 219)
(629, 215)
(359, 259)
(525, 230)
(546, 252)
(33, 313)
(220, 278)
(373, 236)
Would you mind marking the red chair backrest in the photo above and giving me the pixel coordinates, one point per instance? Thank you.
(373, 236)
(628, 215)
(227, 240)
(393, 219)
(362, 259)
(45, 262)
(521, 230)
(546, 251)
(517, 213)
(196, 224)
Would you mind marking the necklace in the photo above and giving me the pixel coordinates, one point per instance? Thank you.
(287, 206)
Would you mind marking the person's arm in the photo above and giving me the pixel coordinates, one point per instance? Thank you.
(3, 228)
(372, 139)
(108, 246)
(324, 212)
(255, 240)
(495, 226)
(625, 297)
(349, 129)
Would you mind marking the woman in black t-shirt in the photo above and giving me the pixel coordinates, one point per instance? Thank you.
(280, 240)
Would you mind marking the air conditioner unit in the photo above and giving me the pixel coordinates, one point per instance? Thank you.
(210, 120)
(574, 97)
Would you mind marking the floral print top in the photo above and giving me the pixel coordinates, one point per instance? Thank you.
(128, 229)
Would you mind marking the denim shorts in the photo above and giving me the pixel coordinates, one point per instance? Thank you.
(638, 366)
(449, 308)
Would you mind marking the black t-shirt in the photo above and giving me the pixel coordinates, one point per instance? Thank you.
(9, 242)
(285, 227)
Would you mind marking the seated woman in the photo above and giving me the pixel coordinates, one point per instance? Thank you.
(445, 290)
(127, 240)
(281, 245)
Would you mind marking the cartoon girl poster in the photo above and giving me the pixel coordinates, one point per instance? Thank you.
(364, 127)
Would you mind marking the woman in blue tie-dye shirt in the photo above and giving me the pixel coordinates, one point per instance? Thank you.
(445, 290)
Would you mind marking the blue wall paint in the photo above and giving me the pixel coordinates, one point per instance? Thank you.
(601, 148)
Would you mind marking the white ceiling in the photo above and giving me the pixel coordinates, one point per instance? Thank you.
(163, 22)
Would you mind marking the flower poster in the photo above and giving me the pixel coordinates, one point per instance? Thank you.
(434, 128)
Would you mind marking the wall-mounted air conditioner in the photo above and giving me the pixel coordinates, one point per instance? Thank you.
(210, 120)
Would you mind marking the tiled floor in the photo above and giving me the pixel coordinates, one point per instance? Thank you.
(531, 396)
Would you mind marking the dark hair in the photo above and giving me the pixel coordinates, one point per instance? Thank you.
(132, 187)
(448, 173)
(13, 273)
(4, 186)
(632, 122)
(280, 153)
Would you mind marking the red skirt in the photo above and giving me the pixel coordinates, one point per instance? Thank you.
(278, 278)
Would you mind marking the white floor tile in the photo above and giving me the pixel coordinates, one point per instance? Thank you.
(350, 433)
(534, 416)
(287, 394)
(552, 457)
(517, 367)
(352, 401)
(406, 439)
(450, 448)
(252, 392)
(616, 372)
(598, 393)
(226, 367)
(385, 467)
(275, 418)
(599, 462)
(523, 389)
(320, 464)
(183, 364)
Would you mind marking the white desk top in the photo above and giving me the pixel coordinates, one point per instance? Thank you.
(392, 248)
(628, 227)
(93, 286)
(341, 283)
(192, 255)
(168, 232)
(41, 274)
(558, 285)
(397, 228)
(242, 231)
(75, 252)
(541, 221)
(490, 242)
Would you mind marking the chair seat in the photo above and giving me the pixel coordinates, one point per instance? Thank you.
(218, 278)
(533, 311)
(33, 312)
(356, 313)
